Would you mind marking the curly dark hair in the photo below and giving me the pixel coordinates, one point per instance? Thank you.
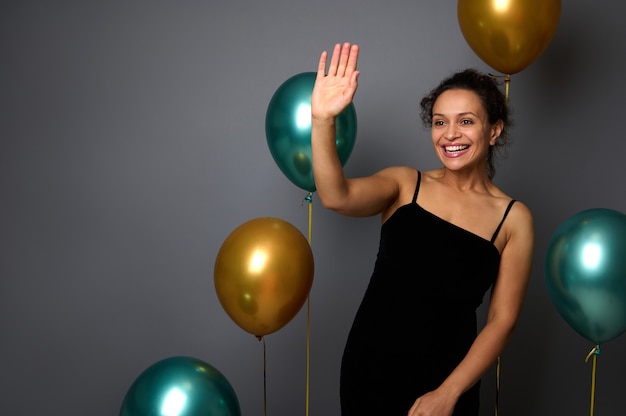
(494, 101)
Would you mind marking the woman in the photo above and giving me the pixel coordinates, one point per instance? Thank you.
(447, 236)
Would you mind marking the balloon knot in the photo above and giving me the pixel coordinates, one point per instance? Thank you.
(308, 198)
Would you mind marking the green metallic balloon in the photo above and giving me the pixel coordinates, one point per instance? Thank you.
(585, 272)
(288, 130)
(180, 386)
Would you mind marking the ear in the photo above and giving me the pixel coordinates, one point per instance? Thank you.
(496, 131)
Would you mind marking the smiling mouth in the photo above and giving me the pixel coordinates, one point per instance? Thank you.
(454, 149)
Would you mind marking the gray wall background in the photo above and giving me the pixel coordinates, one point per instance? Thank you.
(132, 143)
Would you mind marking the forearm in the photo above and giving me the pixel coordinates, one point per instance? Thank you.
(330, 181)
(487, 347)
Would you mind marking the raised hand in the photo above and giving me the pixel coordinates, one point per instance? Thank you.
(334, 90)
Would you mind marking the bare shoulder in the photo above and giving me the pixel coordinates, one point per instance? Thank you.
(521, 215)
(520, 218)
(520, 227)
(403, 177)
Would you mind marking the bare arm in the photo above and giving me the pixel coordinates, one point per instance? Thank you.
(332, 93)
(504, 309)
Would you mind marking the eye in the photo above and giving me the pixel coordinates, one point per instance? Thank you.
(438, 123)
(466, 121)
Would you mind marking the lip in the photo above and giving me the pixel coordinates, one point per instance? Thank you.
(457, 153)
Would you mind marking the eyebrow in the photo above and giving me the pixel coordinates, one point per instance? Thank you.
(465, 113)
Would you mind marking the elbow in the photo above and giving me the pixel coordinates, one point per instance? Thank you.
(507, 332)
(332, 201)
(333, 204)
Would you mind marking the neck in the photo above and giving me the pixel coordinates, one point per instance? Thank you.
(476, 179)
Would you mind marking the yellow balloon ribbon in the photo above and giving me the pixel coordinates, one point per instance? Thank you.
(309, 199)
(264, 376)
(507, 82)
(593, 353)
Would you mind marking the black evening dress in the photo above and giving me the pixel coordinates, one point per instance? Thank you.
(417, 319)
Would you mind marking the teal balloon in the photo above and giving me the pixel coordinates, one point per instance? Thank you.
(585, 273)
(288, 130)
(180, 386)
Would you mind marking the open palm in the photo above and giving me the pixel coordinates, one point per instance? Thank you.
(334, 91)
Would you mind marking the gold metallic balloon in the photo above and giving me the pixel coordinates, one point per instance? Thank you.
(263, 274)
(508, 35)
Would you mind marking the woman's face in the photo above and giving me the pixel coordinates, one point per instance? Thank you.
(461, 132)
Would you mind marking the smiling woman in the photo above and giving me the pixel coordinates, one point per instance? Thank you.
(417, 297)
(463, 133)
(476, 100)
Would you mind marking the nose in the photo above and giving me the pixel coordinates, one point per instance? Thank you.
(451, 132)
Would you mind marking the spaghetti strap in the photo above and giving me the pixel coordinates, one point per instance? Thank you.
(417, 186)
(506, 212)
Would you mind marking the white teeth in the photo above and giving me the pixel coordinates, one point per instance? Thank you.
(455, 148)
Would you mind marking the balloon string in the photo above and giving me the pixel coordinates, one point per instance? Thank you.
(497, 386)
(261, 338)
(507, 82)
(594, 352)
(309, 199)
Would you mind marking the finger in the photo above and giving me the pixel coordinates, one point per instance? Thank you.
(343, 61)
(353, 58)
(321, 66)
(334, 60)
(354, 79)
